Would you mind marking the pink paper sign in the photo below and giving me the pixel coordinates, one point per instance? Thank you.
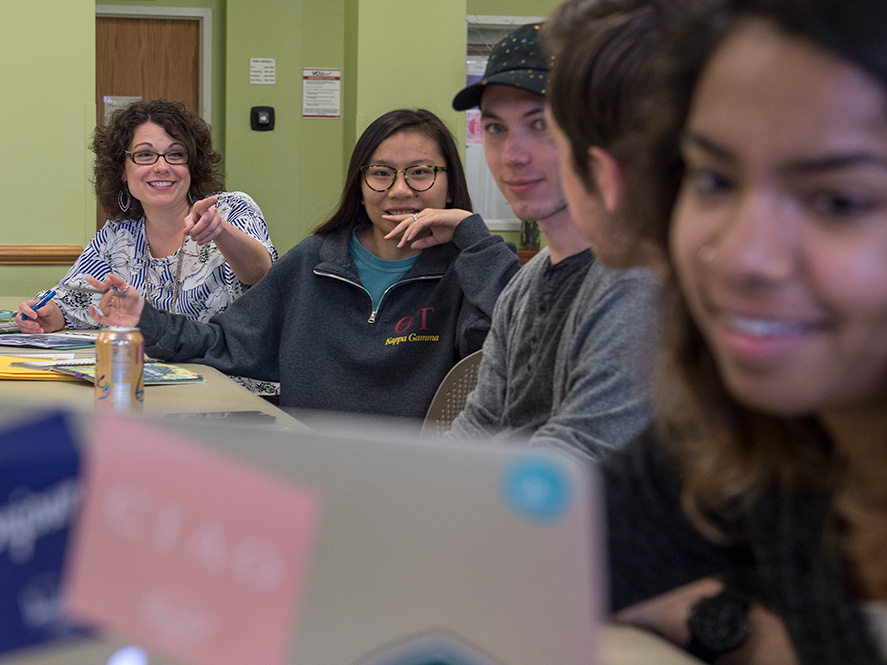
(474, 129)
(186, 552)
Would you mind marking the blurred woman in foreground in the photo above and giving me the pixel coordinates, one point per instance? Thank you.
(767, 469)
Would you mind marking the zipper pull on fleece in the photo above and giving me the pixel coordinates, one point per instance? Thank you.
(372, 318)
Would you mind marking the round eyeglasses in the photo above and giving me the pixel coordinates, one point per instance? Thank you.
(380, 178)
(148, 157)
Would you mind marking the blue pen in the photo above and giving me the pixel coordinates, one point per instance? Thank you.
(45, 297)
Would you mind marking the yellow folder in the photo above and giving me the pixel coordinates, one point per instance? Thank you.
(8, 371)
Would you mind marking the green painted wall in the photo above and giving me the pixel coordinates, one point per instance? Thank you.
(511, 7)
(321, 148)
(409, 67)
(267, 165)
(349, 84)
(47, 67)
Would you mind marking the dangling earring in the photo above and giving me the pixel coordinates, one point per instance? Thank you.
(124, 206)
(190, 198)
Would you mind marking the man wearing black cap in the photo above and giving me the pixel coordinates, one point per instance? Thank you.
(563, 363)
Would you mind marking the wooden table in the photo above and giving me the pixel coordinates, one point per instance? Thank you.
(625, 645)
(216, 393)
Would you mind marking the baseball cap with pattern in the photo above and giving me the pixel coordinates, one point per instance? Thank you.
(517, 61)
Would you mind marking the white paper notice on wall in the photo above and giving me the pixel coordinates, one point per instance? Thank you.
(321, 92)
(114, 102)
(262, 71)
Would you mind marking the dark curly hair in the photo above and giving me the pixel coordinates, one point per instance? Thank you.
(350, 211)
(110, 142)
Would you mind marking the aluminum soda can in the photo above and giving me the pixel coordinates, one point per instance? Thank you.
(120, 369)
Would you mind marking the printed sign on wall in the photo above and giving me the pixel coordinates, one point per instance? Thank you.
(321, 93)
(262, 71)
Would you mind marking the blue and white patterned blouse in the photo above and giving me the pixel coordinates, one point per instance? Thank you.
(208, 284)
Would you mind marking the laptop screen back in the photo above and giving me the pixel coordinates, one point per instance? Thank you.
(419, 553)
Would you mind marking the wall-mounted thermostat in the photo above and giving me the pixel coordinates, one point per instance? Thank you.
(261, 118)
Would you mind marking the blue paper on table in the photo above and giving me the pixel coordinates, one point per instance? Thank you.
(39, 490)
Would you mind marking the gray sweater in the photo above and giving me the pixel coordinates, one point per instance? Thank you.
(569, 360)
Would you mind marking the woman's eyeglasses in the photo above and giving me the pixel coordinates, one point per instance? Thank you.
(148, 157)
(380, 178)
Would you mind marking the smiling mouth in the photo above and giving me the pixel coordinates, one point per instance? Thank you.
(522, 184)
(161, 183)
(405, 211)
(768, 327)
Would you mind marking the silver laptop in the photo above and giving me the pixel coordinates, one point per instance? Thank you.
(422, 554)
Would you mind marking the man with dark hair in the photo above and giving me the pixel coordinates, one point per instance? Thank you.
(566, 364)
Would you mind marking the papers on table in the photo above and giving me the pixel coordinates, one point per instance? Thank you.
(67, 339)
(156, 373)
(33, 369)
(57, 340)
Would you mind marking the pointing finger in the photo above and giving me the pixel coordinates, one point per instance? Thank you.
(203, 205)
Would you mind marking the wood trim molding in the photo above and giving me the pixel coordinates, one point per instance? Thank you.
(39, 255)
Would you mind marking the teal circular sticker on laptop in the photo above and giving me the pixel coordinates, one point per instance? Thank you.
(537, 488)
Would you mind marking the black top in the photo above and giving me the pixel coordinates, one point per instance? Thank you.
(777, 556)
(532, 391)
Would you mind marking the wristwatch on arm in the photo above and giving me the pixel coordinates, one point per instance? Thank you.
(718, 625)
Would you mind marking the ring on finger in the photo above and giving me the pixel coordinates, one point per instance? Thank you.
(415, 217)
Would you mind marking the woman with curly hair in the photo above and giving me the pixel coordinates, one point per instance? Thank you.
(181, 241)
